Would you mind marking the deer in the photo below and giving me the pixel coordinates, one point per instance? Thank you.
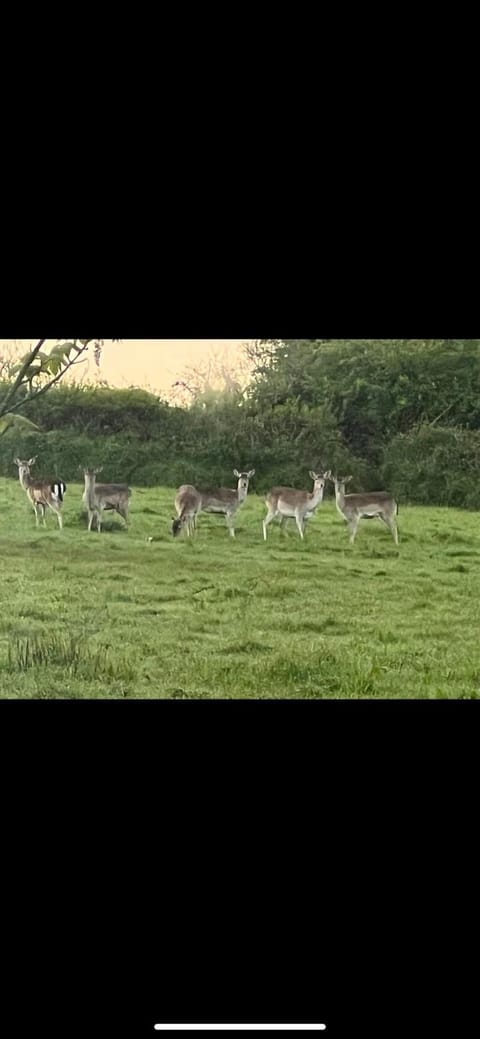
(188, 503)
(287, 503)
(103, 497)
(227, 502)
(42, 493)
(375, 505)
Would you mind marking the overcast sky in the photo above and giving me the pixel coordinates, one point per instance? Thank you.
(156, 363)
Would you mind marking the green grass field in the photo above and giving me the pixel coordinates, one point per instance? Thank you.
(114, 615)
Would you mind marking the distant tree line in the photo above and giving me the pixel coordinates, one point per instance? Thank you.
(401, 414)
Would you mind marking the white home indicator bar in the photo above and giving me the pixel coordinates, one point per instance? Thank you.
(240, 1028)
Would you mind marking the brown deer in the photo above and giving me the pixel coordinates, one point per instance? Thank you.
(42, 493)
(188, 504)
(288, 503)
(103, 497)
(226, 502)
(355, 507)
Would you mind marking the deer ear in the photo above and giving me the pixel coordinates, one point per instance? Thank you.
(349, 479)
(100, 469)
(251, 473)
(312, 474)
(236, 473)
(16, 461)
(31, 461)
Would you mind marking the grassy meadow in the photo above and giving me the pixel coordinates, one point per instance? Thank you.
(116, 615)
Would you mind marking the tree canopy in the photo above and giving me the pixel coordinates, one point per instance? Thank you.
(403, 414)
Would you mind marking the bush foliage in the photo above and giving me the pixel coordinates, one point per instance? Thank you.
(400, 414)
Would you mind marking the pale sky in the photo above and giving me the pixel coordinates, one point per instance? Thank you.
(151, 363)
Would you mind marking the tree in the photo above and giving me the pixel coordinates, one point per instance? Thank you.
(376, 389)
(35, 374)
(220, 377)
(8, 354)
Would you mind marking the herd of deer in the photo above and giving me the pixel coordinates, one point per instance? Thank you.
(97, 497)
(283, 503)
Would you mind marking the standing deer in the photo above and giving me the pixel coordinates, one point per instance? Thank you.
(188, 504)
(288, 503)
(103, 497)
(354, 507)
(42, 493)
(227, 502)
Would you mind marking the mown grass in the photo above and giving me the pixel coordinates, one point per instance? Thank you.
(119, 616)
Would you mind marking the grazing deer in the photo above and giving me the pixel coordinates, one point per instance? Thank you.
(103, 497)
(42, 493)
(354, 507)
(288, 503)
(226, 502)
(188, 504)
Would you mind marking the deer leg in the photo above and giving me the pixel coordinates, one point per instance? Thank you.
(40, 511)
(392, 525)
(268, 519)
(231, 524)
(90, 520)
(36, 514)
(283, 524)
(300, 524)
(57, 510)
(353, 527)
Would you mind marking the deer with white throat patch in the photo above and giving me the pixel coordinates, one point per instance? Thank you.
(355, 507)
(42, 493)
(288, 503)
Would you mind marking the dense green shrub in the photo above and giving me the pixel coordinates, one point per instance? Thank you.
(400, 414)
(435, 466)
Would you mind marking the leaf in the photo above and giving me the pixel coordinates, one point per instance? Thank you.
(17, 422)
(53, 365)
(40, 357)
(60, 351)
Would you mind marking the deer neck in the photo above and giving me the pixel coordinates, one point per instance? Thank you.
(340, 499)
(242, 493)
(316, 497)
(25, 479)
(90, 492)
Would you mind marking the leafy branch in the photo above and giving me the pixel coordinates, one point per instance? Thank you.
(37, 372)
